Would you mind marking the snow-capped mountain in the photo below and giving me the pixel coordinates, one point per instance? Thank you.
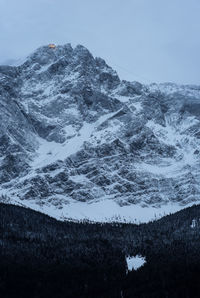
(77, 142)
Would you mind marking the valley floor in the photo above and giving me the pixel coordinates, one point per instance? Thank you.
(106, 210)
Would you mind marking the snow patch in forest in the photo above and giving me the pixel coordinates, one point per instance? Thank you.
(134, 263)
(194, 223)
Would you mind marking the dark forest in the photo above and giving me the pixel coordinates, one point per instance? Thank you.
(42, 257)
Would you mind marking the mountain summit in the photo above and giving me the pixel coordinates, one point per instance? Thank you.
(77, 142)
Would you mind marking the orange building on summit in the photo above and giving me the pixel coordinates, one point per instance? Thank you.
(52, 46)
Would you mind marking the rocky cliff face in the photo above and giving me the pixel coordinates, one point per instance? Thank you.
(77, 142)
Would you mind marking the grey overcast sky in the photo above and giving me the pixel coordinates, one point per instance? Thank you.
(144, 40)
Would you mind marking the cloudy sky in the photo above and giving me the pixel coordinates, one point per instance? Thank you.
(144, 40)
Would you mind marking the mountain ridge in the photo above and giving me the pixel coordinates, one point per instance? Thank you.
(73, 134)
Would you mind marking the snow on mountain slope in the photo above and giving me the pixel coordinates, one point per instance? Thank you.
(50, 152)
(76, 142)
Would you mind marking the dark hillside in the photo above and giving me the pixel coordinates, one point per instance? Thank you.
(42, 257)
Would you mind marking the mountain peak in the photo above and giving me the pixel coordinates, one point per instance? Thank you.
(80, 49)
(45, 54)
